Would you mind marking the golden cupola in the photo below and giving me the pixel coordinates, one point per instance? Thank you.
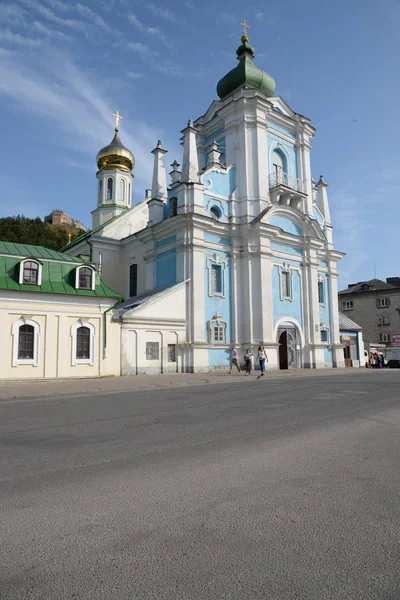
(115, 155)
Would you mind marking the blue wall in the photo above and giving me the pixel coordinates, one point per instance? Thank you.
(222, 183)
(287, 249)
(286, 308)
(287, 148)
(216, 239)
(324, 311)
(166, 268)
(218, 357)
(217, 304)
(328, 356)
(285, 224)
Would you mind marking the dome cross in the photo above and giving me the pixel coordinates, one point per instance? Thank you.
(117, 119)
(245, 27)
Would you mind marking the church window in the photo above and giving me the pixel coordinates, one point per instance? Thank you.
(25, 334)
(279, 167)
(83, 335)
(110, 184)
(85, 281)
(321, 291)
(152, 351)
(286, 291)
(324, 335)
(215, 213)
(121, 190)
(173, 207)
(30, 273)
(217, 330)
(26, 342)
(101, 190)
(216, 279)
(133, 279)
(82, 343)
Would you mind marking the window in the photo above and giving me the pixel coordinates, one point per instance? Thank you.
(278, 166)
(171, 352)
(85, 278)
(215, 213)
(217, 330)
(25, 333)
(133, 272)
(324, 335)
(216, 279)
(382, 302)
(101, 190)
(121, 190)
(30, 273)
(83, 343)
(173, 207)
(347, 305)
(152, 351)
(26, 342)
(129, 194)
(321, 291)
(83, 338)
(285, 283)
(384, 337)
(219, 333)
(383, 321)
(110, 188)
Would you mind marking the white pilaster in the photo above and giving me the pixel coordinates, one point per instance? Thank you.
(190, 162)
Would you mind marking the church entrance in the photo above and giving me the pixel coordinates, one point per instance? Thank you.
(289, 347)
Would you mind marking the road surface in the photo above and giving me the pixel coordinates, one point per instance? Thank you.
(284, 489)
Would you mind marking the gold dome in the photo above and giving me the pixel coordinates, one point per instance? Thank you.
(115, 155)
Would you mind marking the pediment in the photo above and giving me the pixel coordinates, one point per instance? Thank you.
(291, 220)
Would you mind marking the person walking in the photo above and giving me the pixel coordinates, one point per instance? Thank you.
(262, 358)
(234, 359)
(248, 355)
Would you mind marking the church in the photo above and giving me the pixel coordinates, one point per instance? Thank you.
(232, 248)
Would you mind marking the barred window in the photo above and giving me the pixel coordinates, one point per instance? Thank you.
(152, 351)
(171, 352)
(83, 343)
(31, 273)
(216, 279)
(26, 342)
(285, 282)
(321, 291)
(133, 273)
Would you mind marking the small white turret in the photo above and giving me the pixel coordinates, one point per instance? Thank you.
(190, 163)
(214, 156)
(159, 194)
(322, 200)
(175, 174)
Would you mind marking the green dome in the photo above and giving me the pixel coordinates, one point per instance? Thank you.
(246, 73)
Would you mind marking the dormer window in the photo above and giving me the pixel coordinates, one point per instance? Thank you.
(85, 278)
(30, 273)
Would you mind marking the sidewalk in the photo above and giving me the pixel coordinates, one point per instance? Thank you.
(54, 388)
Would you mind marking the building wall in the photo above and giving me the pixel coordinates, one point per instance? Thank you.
(366, 314)
(55, 316)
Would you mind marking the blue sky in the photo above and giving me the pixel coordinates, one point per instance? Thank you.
(65, 66)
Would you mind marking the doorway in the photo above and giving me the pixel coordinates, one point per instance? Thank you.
(289, 347)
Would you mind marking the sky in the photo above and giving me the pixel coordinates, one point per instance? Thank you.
(66, 66)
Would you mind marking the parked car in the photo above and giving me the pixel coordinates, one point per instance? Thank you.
(393, 364)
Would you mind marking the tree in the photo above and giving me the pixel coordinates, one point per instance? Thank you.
(22, 230)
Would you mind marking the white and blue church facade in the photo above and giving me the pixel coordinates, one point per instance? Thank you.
(233, 248)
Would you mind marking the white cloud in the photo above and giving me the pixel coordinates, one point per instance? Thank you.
(163, 13)
(96, 19)
(15, 38)
(11, 14)
(40, 28)
(260, 17)
(144, 28)
(48, 14)
(134, 75)
(144, 51)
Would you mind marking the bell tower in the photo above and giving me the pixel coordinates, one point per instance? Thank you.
(114, 189)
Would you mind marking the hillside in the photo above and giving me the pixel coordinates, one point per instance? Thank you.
(34, 231)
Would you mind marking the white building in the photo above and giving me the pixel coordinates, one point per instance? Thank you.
(236, 249)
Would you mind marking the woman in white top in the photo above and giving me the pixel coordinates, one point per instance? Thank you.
(262, 357)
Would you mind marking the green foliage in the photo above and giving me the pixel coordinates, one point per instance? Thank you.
(34, 231)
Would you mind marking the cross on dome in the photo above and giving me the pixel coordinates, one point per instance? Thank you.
(245, 27)
(117, 119)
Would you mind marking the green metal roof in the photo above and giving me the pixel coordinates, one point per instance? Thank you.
(58, 274)
(28, 251)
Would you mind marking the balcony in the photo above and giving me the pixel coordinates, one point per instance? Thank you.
(287, 190)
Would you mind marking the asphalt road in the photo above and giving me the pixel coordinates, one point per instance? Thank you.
(262, 489)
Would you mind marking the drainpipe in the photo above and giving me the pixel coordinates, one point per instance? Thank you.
(105, 327)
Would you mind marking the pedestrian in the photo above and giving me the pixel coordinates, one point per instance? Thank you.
(234, 359)
(262, 358)
(248, 355)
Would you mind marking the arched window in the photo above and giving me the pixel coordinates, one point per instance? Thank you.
(83, 336)
(83, 343)
(26, 342)
(279, 166)
(110, 183)
(85, 278)
(101, 190)
(30, 273)
(25, 333)
(215, 213)
(129, 194)
(173, 207)
(121, 190)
